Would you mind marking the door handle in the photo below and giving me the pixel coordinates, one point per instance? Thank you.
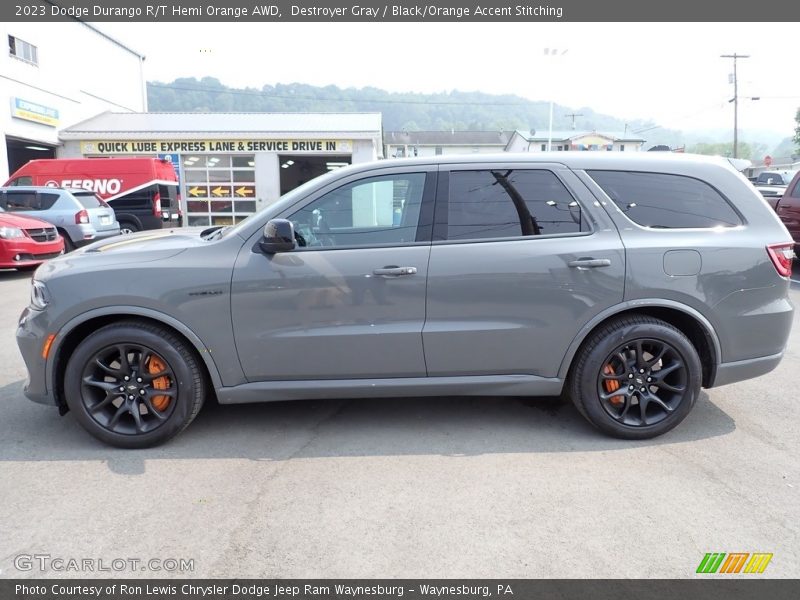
(589, 263)
(395, 271)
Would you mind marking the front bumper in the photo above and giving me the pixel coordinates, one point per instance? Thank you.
(26, 252)
(32, 331)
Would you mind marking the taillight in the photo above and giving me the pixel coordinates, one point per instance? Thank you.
(157, 204)
(81, 217)
(782, 255)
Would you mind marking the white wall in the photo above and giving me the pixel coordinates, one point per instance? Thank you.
(391, 150)
(80, 73)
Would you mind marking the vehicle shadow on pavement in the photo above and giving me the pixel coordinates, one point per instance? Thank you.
(280, 431)
(12, 274)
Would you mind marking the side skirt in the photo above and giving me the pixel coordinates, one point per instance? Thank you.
(483, 385)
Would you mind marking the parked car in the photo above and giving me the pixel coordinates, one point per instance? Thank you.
(625, 281)
(788, 208)
(25, 243)
(79, 215)
(142, 191)
(775, 177)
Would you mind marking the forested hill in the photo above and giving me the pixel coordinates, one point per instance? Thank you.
(405, 110)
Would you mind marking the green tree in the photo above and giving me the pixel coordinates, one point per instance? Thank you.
(797, 130)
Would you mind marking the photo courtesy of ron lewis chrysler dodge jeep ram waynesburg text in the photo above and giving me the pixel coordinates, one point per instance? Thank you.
(625, 282)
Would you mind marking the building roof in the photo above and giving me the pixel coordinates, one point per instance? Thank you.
(447, 138)
(542, 136)
(194, 124)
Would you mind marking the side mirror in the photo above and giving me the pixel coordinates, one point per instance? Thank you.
(278, 237)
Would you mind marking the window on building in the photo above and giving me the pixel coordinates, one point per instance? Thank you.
(220, 188)
(23, 50)
(622, 147)
(510, 203)
(666, 201)
(560, 148)
(438, 150)
(544, 147)
(377, 210)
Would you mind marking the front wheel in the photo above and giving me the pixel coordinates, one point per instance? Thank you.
(636, 378)
(134, 384)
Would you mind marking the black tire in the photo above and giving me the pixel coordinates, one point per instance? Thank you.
(618, 386)
(69, 245)
(105, 403)
(128, 227)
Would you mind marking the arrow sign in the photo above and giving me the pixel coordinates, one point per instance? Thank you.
(197, 191)
(220, 191)
(245, 191)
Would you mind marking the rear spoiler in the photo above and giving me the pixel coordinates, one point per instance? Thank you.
(740, 164)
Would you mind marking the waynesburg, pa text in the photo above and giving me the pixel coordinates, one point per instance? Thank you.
(250, 590)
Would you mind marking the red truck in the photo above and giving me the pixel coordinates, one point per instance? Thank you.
(142, 191)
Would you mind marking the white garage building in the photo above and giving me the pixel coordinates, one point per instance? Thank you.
(231, 164)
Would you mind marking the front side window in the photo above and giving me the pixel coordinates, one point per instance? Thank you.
(374, 211)
(506, 203)
(666, 201)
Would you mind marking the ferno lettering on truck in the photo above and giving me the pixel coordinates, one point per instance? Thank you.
(142, 191)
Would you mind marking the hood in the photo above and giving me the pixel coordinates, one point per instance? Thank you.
(142, 247)
(160, 240)
(21, 221)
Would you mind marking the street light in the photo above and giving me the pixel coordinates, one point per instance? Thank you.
(552, 52)
(735, 101)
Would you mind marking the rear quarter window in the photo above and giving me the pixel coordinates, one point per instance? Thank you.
(89, 200)
(666, 201)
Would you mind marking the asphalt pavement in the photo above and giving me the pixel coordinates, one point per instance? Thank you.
(446, 487)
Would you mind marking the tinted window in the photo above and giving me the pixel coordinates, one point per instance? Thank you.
(47, 200)
(141, 200)
(666, 201)
(21, 201)
(796, 191)
(378, 210)
(26, 180)
(510, 203)
(88, 200)
(167, 193)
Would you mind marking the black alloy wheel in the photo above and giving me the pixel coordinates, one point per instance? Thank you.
(636, 377)
(134, 384)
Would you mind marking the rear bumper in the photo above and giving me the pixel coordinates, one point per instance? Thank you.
(97, 235)
(745, 369)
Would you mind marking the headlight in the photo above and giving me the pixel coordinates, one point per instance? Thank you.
(40, 297)
(9, 233)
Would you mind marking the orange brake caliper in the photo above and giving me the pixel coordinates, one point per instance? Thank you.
(155, 365)
(612, 385)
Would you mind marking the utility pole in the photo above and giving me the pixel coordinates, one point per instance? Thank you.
(573, 115)
(735, 101)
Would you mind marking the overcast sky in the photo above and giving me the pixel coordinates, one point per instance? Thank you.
(671, 73)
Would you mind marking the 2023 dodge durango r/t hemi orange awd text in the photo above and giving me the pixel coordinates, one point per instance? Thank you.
(626, 282)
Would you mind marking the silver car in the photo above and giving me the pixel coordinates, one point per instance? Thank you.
(80, 216)
(624, 281)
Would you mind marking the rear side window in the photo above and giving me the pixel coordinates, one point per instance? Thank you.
(47, 200)
(88, 200)
(665, 201)
(141, 200)
(501, 203)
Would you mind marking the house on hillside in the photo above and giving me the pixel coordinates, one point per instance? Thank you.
(400, 144)
(536, 141)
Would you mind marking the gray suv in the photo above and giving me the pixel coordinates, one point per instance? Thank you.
(626, 282)
(80, 216)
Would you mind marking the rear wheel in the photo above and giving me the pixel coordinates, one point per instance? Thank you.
(636, 378)
(126, 227)
(134, 384)
(69, 245)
